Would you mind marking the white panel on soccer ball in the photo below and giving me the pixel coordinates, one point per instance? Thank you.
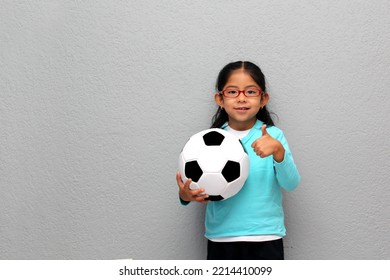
(193, 147)
(244, 164)
(232, 188)
(212, 159)
(213, 183)
(194, 186)
(235, 151)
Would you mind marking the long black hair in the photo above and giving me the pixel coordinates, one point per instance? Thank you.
(257, 75)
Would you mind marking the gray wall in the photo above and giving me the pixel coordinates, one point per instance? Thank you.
(98, 97)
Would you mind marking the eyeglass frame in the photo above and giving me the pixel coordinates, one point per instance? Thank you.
(242, 91)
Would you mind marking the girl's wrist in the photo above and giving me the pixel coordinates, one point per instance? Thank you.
(279, 153)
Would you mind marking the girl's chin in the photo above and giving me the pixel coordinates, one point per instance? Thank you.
(243, 124)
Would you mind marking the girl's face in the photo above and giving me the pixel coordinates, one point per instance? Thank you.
(241, 110)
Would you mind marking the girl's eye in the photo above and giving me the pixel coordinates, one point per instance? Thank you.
(251, 92)
(232, 92)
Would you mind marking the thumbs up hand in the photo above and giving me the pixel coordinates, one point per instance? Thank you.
(266, 145)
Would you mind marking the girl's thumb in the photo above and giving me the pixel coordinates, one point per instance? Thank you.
(263, 129)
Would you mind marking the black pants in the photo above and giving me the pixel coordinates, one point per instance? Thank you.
(267, 250)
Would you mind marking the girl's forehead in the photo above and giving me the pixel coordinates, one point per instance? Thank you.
(240, 78)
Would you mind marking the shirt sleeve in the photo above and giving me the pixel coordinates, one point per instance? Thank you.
(183, 202)
(286, 171)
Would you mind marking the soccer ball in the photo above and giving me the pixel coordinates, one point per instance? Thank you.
(216, 161)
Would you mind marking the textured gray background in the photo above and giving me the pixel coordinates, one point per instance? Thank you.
(98, 97)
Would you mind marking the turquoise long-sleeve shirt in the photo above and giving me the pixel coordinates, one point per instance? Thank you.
(257, 209)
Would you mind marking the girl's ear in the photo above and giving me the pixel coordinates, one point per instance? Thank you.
(218, 99)
(264, 99)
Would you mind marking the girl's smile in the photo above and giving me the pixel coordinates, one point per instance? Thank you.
(241, 108)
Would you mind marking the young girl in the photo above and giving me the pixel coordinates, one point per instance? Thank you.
(249, 225)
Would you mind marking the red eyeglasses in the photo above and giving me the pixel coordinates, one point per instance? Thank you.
(233, 93)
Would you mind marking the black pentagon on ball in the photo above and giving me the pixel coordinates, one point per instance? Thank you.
(215, 197)
(213, 138)
(193, 171)
(231, 171)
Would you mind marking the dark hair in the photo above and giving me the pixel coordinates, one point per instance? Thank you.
(257, 75)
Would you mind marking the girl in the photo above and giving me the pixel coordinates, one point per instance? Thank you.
(249, 225)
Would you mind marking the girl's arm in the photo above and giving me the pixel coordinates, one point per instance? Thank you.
(275, 144)
(286, 171)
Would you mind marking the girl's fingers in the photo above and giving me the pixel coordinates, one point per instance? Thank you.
(187, 184)
(201, 198)
(180, 182)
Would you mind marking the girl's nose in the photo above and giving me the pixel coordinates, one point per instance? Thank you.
(241, 97)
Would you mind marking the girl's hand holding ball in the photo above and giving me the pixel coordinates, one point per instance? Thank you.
(187, 194)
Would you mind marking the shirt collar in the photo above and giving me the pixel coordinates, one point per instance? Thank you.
(256, 127)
